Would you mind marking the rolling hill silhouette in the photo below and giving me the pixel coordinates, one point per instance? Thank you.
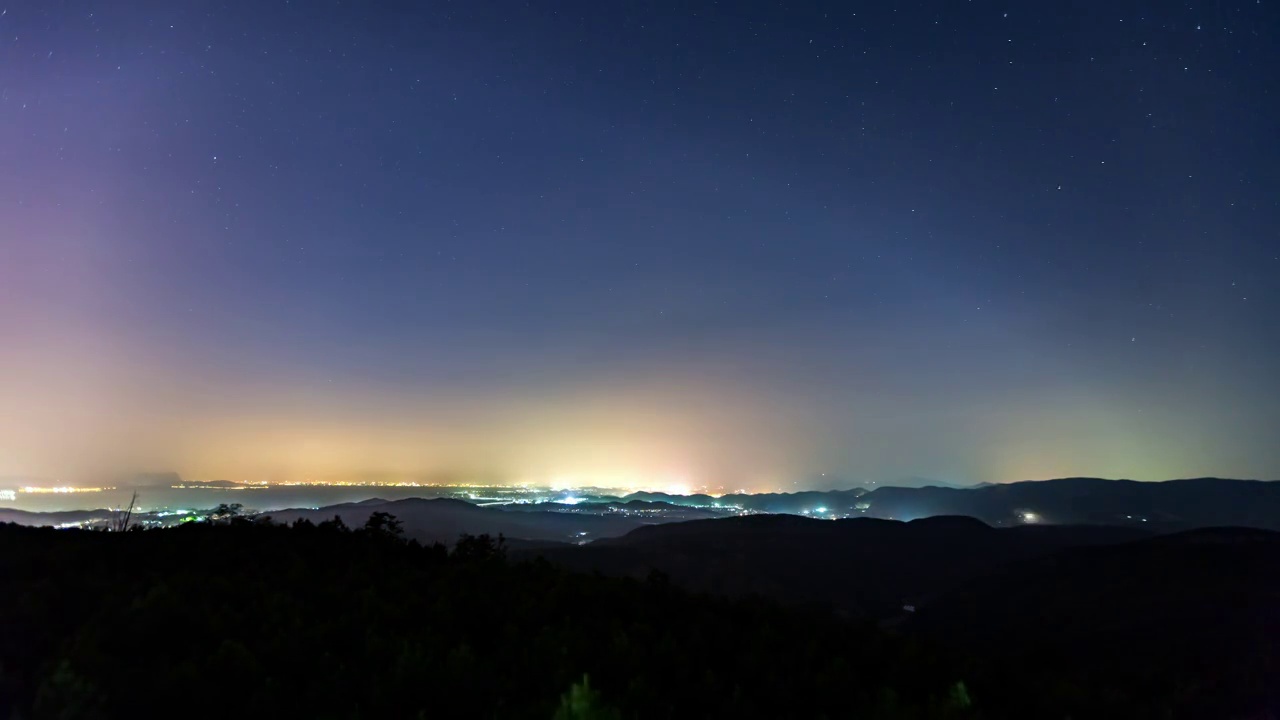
(1170, 505)
(865, 567)
(444, 520)
(1168, 619)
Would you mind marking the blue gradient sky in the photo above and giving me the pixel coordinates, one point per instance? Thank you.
(733, 244)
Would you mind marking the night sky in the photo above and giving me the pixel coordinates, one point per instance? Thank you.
(752, 245)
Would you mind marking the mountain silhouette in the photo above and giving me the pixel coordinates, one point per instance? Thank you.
(443, 520)
(864, 567)
(1170, 505)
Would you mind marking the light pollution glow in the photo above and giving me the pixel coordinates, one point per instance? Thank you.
(90, 397)
(295, 306)
(81, 422)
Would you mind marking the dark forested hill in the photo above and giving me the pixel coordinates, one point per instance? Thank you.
(866, 567)
(250, 620)
(258, 620)
(1187, 624)
(1063, 621)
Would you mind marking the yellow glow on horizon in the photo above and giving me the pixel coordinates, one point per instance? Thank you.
(673, 430)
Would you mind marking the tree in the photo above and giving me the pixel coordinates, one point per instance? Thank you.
(120, 519)
(384, 524)
(65, 694)
(334, 525)
(958, 697)
(480, 548)
(583, 703)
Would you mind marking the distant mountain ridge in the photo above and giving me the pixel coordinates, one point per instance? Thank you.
(794, 503)
(444, 520)
(1157, 507)
(1168, 505)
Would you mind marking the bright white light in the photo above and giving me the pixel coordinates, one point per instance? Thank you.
(1030, 517)
(570, 500)
(821, 510)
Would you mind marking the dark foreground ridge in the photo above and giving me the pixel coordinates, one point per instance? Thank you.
(323, 621)
(259, 620)
(1191, 618)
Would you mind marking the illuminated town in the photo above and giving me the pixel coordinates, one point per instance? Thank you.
(169, 500)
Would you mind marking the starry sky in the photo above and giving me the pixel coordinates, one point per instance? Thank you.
(742, 244)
